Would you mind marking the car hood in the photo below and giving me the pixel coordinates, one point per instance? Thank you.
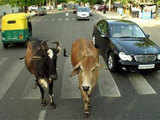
(83, 13)
(135, 46)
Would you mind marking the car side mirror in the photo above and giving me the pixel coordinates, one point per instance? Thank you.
(147, 35)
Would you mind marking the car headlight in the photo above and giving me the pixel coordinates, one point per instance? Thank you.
(125, 57)
(158, 56)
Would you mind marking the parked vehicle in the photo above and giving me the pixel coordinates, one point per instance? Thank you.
(41, 11)
(75, 9)
(126, 46)
(101, 8)
(96, 6)
(83, 13)
(16, 28)
(33, 8)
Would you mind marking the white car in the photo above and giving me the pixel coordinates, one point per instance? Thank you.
(83, 13)
(33, 8)
(96, 6)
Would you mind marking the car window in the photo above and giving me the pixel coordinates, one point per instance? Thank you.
(125, 30)
(102, 27)
(83, 9)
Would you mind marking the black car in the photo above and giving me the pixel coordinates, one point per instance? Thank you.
(125, 46)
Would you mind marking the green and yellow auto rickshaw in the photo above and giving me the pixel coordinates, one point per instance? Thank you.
(15, 28)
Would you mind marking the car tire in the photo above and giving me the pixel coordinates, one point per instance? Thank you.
(112, 62)
(94, 41)
(5, 45)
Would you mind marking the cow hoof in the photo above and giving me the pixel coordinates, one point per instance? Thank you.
(53, 105)
(89, 106)
(86, 114)
(44, 103)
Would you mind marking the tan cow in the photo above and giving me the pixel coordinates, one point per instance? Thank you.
(85, 61)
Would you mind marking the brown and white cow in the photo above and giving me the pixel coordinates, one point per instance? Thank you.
(85, 61)
(41, 60)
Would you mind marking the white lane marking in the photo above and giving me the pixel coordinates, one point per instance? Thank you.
(2, 60)
(42, 115)
(140, 84)
(106, 83)
(69, 84)
(10, 76)
(67, 19)
(53, 20)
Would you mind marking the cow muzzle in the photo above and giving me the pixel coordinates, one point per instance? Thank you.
(86, 88)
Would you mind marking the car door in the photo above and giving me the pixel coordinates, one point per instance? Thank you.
(102, 35)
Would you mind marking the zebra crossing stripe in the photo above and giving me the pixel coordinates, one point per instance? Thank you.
(10, 77)
(106, 83)
(69, 84)
(53, 20)
(42, 115)
(59, 19)
(140, 84)
(67, 19)
(45, 20)
(3, 60)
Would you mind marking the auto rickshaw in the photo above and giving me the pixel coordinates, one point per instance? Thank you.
(16, 28)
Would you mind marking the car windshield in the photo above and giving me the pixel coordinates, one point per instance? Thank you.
(83, 10)
(125, 30)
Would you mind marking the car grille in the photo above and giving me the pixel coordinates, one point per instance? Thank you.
(145, 58)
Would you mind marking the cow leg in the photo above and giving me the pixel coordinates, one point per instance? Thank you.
(43, 100)
(51, 95)
(52, 68)
(86, 101)
(35, 84)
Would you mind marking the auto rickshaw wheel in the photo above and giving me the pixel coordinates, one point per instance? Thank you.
(5, 45)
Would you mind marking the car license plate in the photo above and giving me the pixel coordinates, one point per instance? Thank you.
(149, 66)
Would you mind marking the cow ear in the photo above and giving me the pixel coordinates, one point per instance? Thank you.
(76, 69)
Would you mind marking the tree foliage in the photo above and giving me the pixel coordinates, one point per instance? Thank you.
(22, 3)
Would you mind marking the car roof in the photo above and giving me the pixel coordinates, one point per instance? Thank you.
(15, 16)
(118, 21)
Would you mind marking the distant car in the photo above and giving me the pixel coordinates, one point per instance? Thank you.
(125, 46)
(33, 8)
(83, 13)
(75, 9)
(101, 8)
(96, 6)
(90, 12)
(41, 11)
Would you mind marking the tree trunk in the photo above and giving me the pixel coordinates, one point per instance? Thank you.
(109, 5)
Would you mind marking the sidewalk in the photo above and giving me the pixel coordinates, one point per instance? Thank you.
(141, 22)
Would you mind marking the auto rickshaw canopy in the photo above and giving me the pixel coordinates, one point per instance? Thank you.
(16, 21)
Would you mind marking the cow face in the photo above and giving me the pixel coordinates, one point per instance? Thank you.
(88, 72)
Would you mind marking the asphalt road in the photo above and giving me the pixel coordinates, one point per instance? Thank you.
(118, 96)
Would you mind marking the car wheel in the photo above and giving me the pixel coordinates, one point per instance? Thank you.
(5, 45)
(112, 62)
